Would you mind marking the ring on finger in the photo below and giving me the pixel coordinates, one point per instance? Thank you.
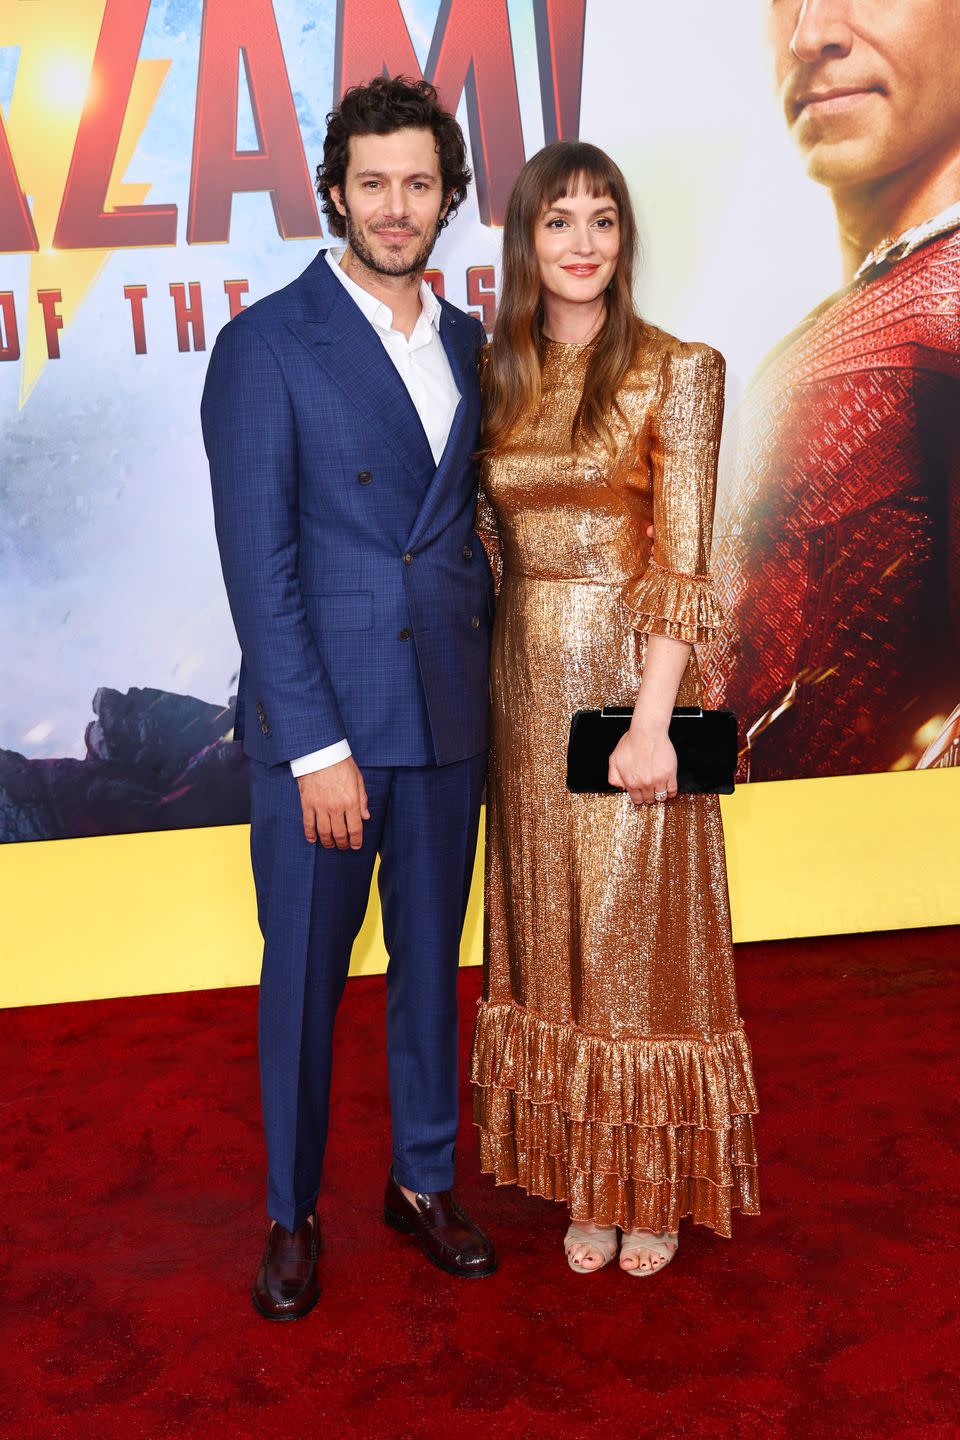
(660, 794)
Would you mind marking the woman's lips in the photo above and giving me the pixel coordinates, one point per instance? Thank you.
(581, 272)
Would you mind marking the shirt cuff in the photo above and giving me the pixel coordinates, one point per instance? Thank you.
(321, 759)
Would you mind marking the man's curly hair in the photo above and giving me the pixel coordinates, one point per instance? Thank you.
(386, 104)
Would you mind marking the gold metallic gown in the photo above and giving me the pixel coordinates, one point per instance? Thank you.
(610, 1063)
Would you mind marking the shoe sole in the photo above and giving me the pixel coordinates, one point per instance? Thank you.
(270, 1315)
(401, 1224)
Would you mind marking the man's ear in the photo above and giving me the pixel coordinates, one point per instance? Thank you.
(336, 195)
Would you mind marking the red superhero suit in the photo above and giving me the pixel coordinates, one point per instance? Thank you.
(837, 550)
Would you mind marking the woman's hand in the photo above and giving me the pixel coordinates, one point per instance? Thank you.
(645, 764)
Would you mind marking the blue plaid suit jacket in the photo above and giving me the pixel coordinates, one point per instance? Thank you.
(361, 596)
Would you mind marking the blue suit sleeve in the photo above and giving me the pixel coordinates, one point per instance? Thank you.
(251, 443)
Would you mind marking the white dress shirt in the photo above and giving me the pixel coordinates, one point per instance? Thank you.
(422, 364)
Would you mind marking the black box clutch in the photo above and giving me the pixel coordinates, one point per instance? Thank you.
(705, 742)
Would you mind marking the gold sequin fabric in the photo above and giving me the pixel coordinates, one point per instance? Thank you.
(610, 1065)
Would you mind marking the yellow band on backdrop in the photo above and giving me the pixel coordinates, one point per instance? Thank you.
(144, 914)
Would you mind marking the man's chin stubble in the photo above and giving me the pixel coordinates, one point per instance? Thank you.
(400, 269)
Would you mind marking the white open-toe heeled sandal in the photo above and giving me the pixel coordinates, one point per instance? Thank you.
(604, 1242)
(664, 1246)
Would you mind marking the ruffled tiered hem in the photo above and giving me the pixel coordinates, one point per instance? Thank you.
(635, 1133)
(663, 602)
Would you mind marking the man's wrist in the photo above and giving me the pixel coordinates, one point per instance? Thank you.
(320, 759)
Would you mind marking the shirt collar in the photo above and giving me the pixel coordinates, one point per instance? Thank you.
(378, 313)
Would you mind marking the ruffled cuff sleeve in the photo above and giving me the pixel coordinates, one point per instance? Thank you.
(663, 602)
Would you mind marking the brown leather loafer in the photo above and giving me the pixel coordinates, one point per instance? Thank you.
(286, 1286)
(444, 1233)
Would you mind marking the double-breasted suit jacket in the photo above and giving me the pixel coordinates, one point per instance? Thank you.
(361, 599)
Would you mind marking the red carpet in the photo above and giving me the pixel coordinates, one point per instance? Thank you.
(133, 1223)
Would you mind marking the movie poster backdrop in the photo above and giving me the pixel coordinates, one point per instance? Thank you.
(156, 176)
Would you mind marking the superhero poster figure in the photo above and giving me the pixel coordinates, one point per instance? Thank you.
(838, 539)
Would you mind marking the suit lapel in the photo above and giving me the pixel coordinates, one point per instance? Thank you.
(345, 344)
(455, 336)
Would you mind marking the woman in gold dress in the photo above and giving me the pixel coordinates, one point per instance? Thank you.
(610, 1063)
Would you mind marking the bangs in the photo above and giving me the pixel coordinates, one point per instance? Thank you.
(575, 168)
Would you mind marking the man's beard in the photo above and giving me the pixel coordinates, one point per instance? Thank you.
(396, 265)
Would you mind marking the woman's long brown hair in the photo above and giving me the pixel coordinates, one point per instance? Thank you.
(511, 379)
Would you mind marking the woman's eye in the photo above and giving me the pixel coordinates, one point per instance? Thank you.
(556, 224)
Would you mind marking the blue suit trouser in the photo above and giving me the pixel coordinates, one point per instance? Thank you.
(311, 903)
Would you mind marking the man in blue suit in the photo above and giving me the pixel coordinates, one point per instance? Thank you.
(340, 418)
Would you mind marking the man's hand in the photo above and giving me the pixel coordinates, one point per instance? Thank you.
(334, 804)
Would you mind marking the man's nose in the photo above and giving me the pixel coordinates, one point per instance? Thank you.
(823, 30)
(395, 201)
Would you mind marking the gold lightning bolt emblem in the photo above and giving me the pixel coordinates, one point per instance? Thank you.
(55, 79)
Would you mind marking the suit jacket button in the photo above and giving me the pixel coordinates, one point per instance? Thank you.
(475, 621)
(365, 476)
(408, 558)
(405, 633)
(467, 552)
(264, 727)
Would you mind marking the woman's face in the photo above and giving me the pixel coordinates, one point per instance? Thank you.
(577, 240)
